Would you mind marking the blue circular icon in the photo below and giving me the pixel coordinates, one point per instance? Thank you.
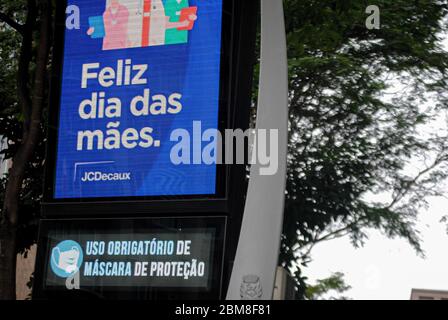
(66, 258)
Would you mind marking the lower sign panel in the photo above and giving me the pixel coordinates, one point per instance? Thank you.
(131, 258)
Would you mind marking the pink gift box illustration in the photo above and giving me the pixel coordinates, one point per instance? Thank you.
(142, 23)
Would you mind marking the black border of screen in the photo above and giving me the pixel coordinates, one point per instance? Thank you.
(225, 115)
(41, 291)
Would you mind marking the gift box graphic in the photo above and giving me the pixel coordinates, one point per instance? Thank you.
(143, 23)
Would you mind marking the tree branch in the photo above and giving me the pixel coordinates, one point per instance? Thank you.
(345, 230)
(404, 191)
(23, 90)
(13, 24)
(331, 235)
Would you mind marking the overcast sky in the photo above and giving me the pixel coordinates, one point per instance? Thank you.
(389, 269)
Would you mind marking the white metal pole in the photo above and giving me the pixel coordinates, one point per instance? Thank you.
(256, 260)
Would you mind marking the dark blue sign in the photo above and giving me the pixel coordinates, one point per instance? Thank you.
(134, 72)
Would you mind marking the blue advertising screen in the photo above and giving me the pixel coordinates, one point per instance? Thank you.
(139, 79)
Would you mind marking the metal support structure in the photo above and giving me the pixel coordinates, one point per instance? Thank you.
(256, 260)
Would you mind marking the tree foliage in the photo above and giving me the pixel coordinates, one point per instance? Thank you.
(11, 125)
(359, 101)
(331, 288)
(26, 32)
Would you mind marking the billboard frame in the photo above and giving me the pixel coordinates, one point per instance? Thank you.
(219, 223)
(237, 60)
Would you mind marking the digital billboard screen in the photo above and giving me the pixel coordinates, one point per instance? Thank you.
(144, 255)
(140, 82)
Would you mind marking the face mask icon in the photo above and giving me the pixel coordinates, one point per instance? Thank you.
(67, 260)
